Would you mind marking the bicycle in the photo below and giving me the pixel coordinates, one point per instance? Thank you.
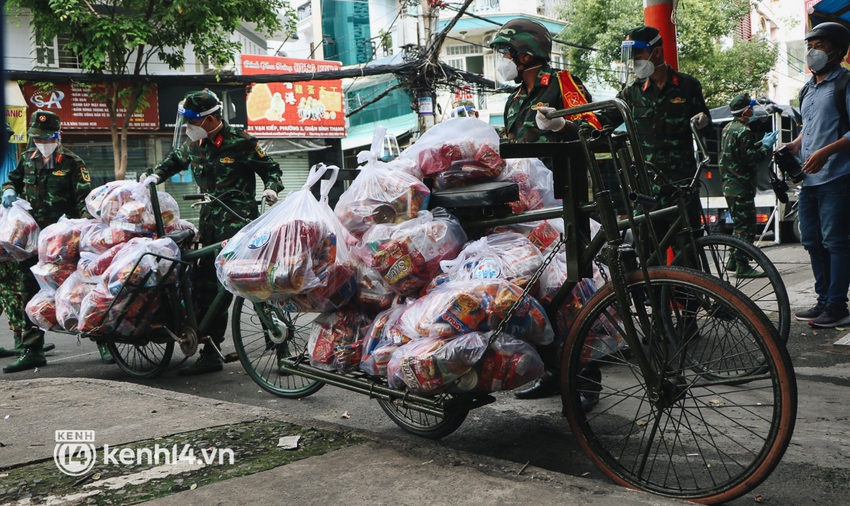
(729, 376)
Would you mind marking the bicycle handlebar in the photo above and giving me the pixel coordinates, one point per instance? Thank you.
(193, 196)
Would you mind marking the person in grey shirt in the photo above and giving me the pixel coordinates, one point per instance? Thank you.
(824, 206)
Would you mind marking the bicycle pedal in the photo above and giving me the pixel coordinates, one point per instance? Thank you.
(231, 357)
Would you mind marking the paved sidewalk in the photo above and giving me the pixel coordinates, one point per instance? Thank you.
(344, 467)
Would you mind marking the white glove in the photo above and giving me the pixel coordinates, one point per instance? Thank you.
(270, 195)
(701, 120)
(544, 123)
(152, 179)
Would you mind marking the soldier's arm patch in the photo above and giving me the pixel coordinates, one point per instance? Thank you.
(84, 173)
(260, 151)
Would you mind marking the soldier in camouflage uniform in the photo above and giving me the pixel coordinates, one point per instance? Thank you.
(55, 182)
(526, 46)
(739, 158)
(663, 102)
(224, 161)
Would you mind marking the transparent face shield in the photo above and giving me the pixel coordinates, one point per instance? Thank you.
(626, 65)
(181, 123)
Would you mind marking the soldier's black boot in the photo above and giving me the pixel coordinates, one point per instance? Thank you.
(209, 361)
(12, 352)
(546, 386)
(30, 358)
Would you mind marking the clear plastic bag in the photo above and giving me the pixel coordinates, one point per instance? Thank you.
(535, 181)
(123, 204)
(100, 237)
(50, 276)
(380, 341)
(459, 307)
(430, 365)
(335, 343)
(373, 293)
(381, 193)
(290, 250)
(466, 172)
(408, 255)
(455, 140)
(508, 363)
(41, 310)
(59, 243)
(101, 313)
(18, 232)
(508, 256)
(132, 268)
(69, 298)
(169, 210)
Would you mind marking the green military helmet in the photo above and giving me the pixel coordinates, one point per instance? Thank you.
(525, 37)
(740, 103)
(197, 104)
(44, 125)
(646, 34)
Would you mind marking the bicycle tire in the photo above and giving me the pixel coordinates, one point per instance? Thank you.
(259, 352)
(768, 293)
(142, 360)
(703, 441)
(422, 424)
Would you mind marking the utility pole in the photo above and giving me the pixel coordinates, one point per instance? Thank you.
(425, 96)
(659, 14)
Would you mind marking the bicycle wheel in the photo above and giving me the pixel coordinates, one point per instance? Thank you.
(142, 360)
(259, 348)
(768, 293)
(684, 435)
(422, 424)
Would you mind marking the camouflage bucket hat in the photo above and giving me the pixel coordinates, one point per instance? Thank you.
(525, 37)
(44, 125)
(197, 104)
(740, 103)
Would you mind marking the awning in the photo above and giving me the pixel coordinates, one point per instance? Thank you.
(361, 135)
(830, 10)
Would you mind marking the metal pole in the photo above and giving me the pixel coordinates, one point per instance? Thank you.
(659, 14)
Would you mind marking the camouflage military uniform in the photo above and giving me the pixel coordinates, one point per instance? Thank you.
(521, 108)
(662, 119)
(738, 159)
(54, 187)
(224, 167)
(11, 286)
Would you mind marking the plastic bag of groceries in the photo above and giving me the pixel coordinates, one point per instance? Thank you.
(466, 172)
(408, 255)
(180, 224)
(141, 263)
(380, 193)
(381, 339)
(169, 210)
(69, 297)
(335, 343)
(50, 276)
(122, 204)
(59, 243)
(297, 246)
(18, 232)
(129, 314)
(430, 365)
(374, 294)
(41, 310)
(535, 181)
(99, 237)
(338, 285)
(452, 141)
(508, 363)
(508, 256)
(476, 305)
(541, 233)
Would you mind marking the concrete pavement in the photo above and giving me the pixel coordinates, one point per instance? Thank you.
(361, 470)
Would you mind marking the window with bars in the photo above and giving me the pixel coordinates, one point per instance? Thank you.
(461, 49)
(55, 54)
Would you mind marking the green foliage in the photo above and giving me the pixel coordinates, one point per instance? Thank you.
(707, 50)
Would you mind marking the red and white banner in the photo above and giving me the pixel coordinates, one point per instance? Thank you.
(79, 110)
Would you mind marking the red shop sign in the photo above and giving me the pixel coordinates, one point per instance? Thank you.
(79, 110)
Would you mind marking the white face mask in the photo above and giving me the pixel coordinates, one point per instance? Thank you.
(46, 148)
(816, 60)
(644, 68)
(195, 133)
(507, 69)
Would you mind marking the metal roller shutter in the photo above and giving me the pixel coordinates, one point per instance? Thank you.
(295, 168)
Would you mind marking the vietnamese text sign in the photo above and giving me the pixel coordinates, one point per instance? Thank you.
(302, 109)
(79, 110)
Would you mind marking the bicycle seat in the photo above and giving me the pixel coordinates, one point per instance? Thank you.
(181, 236)
(476, 195)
